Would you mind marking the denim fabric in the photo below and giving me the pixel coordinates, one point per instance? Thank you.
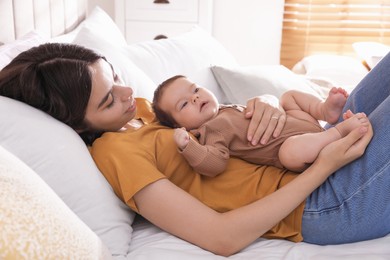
(354, 203)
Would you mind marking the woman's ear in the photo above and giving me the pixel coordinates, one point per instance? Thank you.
(81, 130)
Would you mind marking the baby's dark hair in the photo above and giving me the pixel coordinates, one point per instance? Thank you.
(165, 118)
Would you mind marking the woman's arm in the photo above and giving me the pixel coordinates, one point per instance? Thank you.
(267, 118)
(177, 212)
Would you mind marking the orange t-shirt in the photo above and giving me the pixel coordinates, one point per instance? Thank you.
(132, 159)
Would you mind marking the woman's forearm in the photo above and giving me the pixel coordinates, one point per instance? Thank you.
(250, 222)
(177, 212)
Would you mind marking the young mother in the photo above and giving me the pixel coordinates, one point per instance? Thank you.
(325, 204)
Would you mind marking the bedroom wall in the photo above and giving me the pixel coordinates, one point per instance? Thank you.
(107, 5)
(249, 29)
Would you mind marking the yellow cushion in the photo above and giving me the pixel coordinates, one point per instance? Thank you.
(34, 221)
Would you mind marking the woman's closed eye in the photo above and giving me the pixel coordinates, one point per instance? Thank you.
(111, 104)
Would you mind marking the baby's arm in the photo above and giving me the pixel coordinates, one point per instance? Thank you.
(181, 138)
(209, 160)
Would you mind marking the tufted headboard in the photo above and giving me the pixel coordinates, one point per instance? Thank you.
(50, 17)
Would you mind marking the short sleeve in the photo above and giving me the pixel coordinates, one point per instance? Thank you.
(127, 164)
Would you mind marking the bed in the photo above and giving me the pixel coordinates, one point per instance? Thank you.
(54, 202)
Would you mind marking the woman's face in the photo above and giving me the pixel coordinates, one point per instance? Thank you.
(111, 105)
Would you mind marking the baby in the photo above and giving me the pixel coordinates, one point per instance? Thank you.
(221, 129)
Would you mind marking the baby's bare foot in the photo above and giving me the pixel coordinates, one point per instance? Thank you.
(334, 104)
(348, 114)
(351, 122)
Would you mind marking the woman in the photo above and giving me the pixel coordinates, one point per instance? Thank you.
(224, 214)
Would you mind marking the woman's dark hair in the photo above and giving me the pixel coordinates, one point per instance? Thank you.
(54, 78)
(161, 115)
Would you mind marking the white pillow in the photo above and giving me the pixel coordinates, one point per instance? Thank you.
(132, 76)
(35, 223)
(59, 156)
(10, 50)
(341, 71)
(243, 82)
(190, 54)
(99, 22)
(371, 52)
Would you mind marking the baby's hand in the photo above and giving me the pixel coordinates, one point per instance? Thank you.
(181, 138)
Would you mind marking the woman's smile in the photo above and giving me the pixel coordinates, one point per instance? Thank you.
(132, 107)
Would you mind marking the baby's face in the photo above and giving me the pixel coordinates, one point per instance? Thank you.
(190, 105)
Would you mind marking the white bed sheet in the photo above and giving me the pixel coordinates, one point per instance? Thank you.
(150, 242)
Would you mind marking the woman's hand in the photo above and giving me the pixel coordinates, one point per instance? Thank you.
(347, 149)
(267, 118)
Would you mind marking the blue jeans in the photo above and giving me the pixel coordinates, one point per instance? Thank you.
(354, 203)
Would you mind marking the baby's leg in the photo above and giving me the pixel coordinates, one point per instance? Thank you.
(298, 152)
(306, 106)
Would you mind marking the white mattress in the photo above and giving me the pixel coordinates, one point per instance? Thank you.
(150, 242)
